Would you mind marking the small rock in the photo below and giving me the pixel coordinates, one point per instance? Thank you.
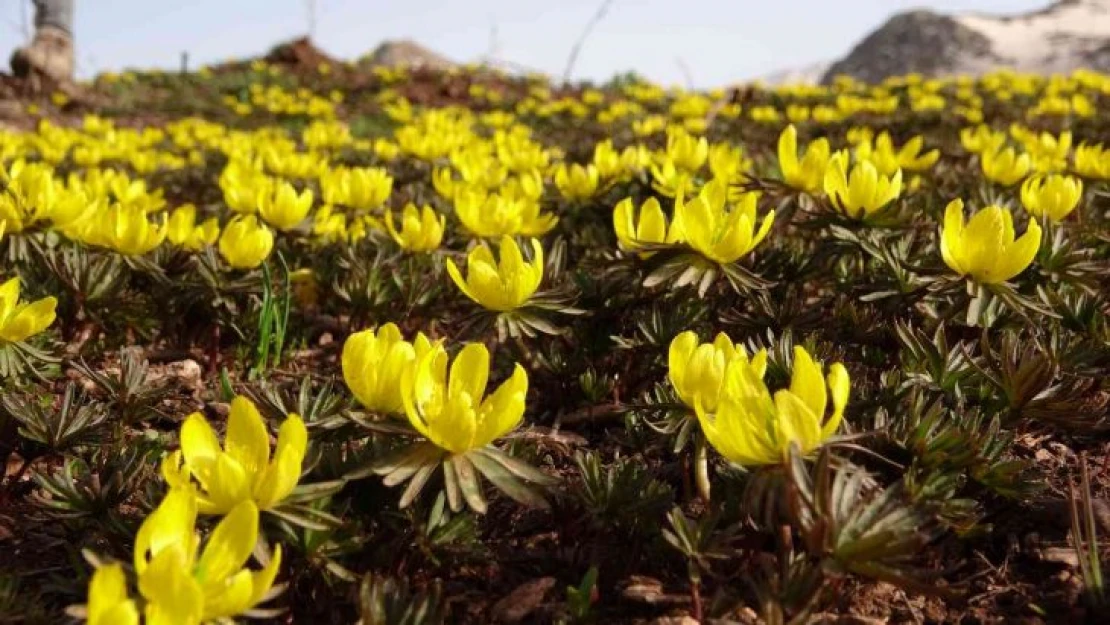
(650, 591)
(325, 339)
(517, 605)
(186, 372)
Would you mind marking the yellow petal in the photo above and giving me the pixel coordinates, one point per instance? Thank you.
(807, 382)
(839, 388)
(1020, 253)
(229, 546)
(247, 441)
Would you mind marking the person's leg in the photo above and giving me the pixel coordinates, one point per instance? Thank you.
(50, 53)
(54, 13)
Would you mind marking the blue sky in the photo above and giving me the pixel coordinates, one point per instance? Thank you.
(718, 41)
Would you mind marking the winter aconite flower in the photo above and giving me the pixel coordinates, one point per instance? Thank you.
(861, 192)
(283, 208)
(717, 229)
(20, 321)
(421, 229)
(491, 215)
(1051, 197)
(698, 369)
(651, 227)
(242, 470)
(500, 285)
(452, 409)
(808, 173)
(750, 426)
(126, 230)
(109, 603)
(182, 229)
(245, 243)
(576, 182)
(373, 363)
(183, 586)
(889, 160)
(1092, 161)
(1006, 167)
(985, 247)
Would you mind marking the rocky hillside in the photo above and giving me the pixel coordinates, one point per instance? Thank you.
(407, 53)
(1065, 35)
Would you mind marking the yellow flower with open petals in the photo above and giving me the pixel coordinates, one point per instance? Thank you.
(500, 285)
(1051, 197)
(1006, 167)
(185, 584)
(19, 322)
(650, 227)
(453, 411)
(718, 231)
(373, 362)
(750, 426)
(242, 470)
(421, 229)
(698, 369)
(576, 182)
(861, 192)
(985, 247)
(808, 173)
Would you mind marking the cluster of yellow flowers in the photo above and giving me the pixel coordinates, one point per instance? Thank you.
(445, 400)
(739, 415)
(179, 581)
(448, 185)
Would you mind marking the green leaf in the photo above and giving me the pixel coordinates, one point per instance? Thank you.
(505, 481)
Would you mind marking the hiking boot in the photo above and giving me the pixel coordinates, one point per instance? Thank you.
(49, 55)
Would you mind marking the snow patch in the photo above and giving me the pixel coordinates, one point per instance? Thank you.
(1052, 40)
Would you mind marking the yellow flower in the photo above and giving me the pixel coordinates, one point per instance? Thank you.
(863, 191)
(498, 214)
(609, 163)
(244, 186)
(245, 243)
(651, 227)
(368, 187)
(698, 370)
(728, 162)
(108, 600)
(670, 180)
(717, 231)
(374, 362)
(182, 229)
(576, 182)
(126, 230)
(1092, 161)
(18, 322)
(805, 175)
(421, 230)
(283, 208)
(686, 151)
(752, 427)
(1051, 197)
(982, 139)
(183, 587)
(985, 248)
(889, 160)
(453, 411)
(243, 469)
(1005, 167)
(504, 285)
